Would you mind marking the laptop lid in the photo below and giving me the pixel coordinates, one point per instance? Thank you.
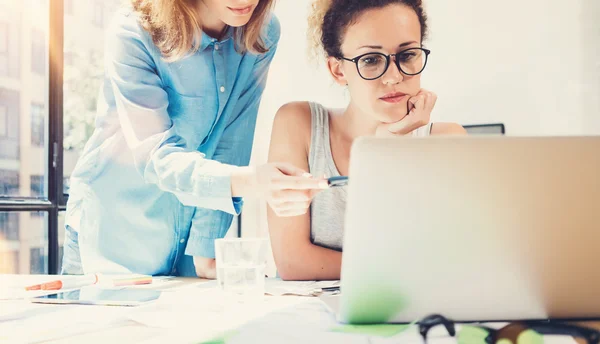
(474, 228)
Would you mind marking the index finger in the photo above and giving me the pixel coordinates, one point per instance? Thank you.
(299, 183)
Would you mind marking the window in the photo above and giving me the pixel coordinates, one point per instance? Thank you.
(23, 254)
(9, 183)
(9, 226)
(10, 110)
(3, 49)
(38, 190)
(25, 225)
(10, 54)
(3, 121)
(24, 101)
(37, 186)
(38, 52)
(9, 261)
(38, 127)
(37, 261)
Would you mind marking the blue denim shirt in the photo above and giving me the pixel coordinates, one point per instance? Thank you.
(152, 187)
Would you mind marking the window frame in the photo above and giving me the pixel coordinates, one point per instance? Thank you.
(56, 200)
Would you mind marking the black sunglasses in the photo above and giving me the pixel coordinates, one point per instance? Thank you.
(372, 66)
(521, 332)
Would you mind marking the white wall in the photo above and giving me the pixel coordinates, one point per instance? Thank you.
(533, 65)
(591, 36)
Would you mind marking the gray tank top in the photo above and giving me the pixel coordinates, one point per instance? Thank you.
(328, 207)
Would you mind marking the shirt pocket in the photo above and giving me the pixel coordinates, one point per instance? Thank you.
(193, 117)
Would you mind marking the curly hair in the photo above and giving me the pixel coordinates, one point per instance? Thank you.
(175, 27)
(329, 20)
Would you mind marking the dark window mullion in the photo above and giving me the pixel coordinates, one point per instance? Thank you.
(55, 129)
(16, 204)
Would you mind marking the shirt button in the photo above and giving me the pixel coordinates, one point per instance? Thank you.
(182, 241)
(216, 47)
(222, 89)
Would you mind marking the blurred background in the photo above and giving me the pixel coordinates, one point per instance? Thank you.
(532, 66)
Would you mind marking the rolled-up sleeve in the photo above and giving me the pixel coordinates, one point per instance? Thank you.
(160, 154)
(234, 148)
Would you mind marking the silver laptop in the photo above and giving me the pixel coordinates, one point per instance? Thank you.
(473, 228)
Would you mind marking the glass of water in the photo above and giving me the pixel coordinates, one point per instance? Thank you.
(241, 264)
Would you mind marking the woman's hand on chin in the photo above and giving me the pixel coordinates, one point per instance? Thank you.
(419, 115)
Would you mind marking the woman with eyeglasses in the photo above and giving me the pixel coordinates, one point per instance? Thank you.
(375, 49)
(163, 173)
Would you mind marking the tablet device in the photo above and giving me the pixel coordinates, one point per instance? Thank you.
(99, 296)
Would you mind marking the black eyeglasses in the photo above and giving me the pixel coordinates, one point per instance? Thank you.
(521, 332)
(372, 66)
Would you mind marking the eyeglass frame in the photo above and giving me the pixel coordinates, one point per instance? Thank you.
(388, 57)
(548, 327)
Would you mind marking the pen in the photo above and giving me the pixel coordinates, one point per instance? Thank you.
(337, 181)
(66, 283)
(331, 288)
(132, 280)
(92, 279)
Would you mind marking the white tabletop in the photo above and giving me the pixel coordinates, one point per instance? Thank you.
(188, 311)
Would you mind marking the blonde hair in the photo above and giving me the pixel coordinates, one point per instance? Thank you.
(315, 28)
(177, 31)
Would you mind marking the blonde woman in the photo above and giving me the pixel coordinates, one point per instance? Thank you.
(375, 49)
(162, 174)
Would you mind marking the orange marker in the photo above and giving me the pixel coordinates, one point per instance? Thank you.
(66, 283)
(135, 280)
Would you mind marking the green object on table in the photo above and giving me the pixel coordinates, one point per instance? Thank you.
(472, 335)
(222, 338)
(379, 330)
(476, 335)
(530, 337)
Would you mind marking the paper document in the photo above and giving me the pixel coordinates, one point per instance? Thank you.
(213, 309)
(277, 287)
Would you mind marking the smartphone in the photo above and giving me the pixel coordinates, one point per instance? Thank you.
(99, 296)
(337, 181)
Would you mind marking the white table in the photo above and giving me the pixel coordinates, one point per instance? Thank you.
(189, 311)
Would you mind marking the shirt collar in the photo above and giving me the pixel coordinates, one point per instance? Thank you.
(207, 40)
